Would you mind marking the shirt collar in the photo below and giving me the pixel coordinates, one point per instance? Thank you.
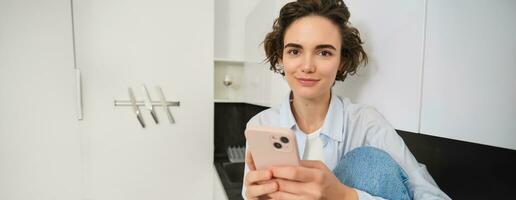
(333, 122)
(287, 119)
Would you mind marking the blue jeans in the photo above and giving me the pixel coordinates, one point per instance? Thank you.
(374, 171)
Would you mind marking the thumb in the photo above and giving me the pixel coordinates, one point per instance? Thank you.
(313, 164)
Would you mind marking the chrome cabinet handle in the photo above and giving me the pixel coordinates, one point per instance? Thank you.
(148, 104)
(164, 103)
(135, 108)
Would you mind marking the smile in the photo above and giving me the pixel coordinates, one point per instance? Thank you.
(307, 82)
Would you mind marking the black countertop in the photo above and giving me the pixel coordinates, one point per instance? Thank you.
(231, 175)
(230, 123)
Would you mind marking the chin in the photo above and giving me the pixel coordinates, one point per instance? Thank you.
(307, 92)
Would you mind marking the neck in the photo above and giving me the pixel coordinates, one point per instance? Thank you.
(310, 113)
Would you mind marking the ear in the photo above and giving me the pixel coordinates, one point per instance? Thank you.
(280, 67)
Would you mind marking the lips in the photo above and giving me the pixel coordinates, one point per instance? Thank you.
(307, 82)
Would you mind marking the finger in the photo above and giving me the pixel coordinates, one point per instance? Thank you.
(302, 174)
(279, 195)
(265, 182)
(249, 160)
(291, 187)
(257, 175)
(254, 191)
(313, 164)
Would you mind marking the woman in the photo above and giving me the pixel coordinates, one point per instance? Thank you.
(348, 151)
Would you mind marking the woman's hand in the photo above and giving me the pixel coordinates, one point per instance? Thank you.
(312, 180)
(259, 183)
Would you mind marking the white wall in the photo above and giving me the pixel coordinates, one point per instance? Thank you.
(392, 32)
(469, 71)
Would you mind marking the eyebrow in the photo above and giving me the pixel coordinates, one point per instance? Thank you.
(321, 46)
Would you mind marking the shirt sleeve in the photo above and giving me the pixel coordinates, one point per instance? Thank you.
(366, 196)
(382, 135)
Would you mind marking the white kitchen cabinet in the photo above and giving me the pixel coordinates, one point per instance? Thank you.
(40, 156)
(262, 86)
(230, 22)
(231, 71)
(47, 154)
(469, 69)
(240, 27)
(157, 43)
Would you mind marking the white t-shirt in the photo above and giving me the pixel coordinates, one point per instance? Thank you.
(314, 146)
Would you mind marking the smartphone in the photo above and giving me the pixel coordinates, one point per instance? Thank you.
(271, 146)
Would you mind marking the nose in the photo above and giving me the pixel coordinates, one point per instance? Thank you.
(308, 65)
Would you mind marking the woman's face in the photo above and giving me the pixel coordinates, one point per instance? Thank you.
(311, 56)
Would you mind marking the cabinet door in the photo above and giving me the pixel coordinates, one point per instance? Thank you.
(468, 90)
(257, 82)
(123, 44)
(39, 141)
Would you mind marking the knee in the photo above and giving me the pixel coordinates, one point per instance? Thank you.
(373, 170)
(372, 155)
(369, 151)
(368, 162)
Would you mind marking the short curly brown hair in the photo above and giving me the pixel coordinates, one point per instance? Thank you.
(352, 53)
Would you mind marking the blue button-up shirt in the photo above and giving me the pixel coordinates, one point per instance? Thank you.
(348, 126)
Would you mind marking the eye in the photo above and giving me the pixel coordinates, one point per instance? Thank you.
(325, 53)
(293, 52)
